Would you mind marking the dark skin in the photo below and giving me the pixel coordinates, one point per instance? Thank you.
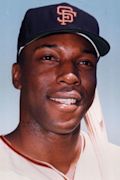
(57, 81)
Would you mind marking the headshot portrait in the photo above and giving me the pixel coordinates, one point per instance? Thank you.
(60, 100)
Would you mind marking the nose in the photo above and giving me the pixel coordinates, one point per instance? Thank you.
(68, 75)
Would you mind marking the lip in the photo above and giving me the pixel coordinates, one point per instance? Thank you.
(67, 101)
(66, 95)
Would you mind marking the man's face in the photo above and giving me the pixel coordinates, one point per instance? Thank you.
(58, 80)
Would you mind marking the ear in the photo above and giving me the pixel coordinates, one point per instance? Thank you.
(16, 76)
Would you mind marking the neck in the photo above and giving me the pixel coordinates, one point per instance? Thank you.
(61, 151)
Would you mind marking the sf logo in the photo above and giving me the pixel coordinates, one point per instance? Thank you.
(66, 14)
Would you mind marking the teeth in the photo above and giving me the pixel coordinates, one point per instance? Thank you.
(64, 101)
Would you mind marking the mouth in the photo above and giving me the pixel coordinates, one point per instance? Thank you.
(65, 101)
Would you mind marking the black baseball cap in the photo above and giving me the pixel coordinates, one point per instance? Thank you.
(60, 18)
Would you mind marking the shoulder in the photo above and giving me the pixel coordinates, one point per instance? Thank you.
(3, 151)
(114, 154)
(114, 160)
(114, 151)
(11, 175)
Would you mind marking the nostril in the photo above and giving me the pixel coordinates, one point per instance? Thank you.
(69, 78)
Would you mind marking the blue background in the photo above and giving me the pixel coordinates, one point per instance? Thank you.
(107, 13)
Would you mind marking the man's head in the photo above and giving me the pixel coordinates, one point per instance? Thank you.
(58, 75)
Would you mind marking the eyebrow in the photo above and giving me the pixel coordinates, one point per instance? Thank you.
(46, 46)
(86, 50)
(90, 51)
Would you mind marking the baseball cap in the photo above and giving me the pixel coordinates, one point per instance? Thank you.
(60, 18)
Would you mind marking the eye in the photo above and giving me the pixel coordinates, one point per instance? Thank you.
(48, 58)
(86, 63)
(46, 55)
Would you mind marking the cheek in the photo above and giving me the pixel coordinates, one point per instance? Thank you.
(37, 76)
(89, 80)
(88, 84)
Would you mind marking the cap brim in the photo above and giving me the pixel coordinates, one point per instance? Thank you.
(102, 45)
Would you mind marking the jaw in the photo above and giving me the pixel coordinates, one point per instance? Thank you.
(63, 118)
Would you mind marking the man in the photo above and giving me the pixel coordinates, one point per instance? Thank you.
(58, 50)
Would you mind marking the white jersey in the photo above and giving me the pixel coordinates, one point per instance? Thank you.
(14, 166)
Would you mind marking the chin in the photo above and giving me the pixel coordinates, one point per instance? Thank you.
(67, 127)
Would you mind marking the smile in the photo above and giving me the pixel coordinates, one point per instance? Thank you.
(66, 101)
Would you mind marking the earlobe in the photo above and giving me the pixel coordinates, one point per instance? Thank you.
(16, 76)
